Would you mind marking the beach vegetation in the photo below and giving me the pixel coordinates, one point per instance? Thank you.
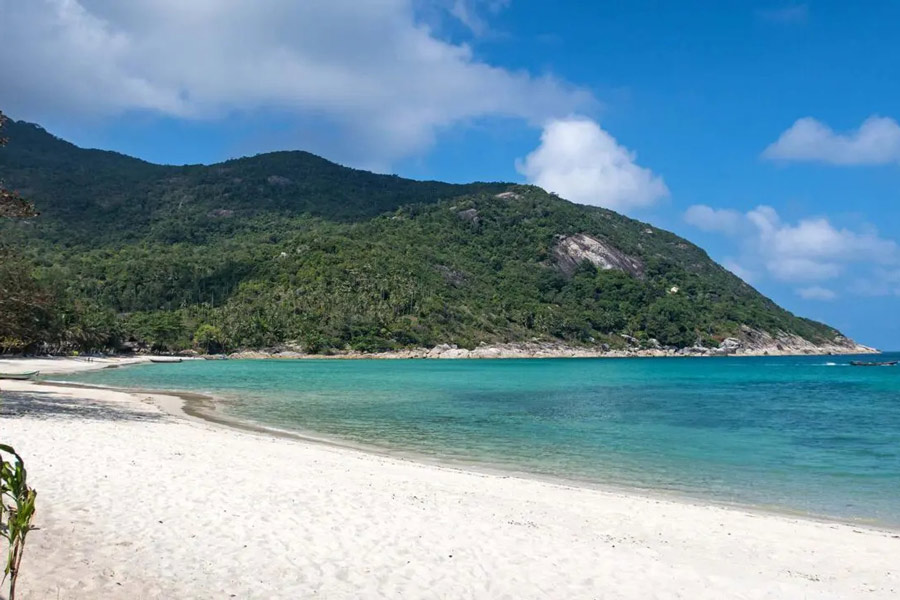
(17, 507)
(21, 305)
(209, 339)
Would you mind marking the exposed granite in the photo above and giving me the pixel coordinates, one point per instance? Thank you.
(569, 252)
(751, 343)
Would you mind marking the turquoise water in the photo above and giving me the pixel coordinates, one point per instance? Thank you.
(805, 434)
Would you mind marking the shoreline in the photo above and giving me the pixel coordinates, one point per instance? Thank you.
(201, 407)
(552, 350)
(191, 405)
(176, 506)
(64, 364)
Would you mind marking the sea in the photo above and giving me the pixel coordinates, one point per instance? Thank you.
(809, 436)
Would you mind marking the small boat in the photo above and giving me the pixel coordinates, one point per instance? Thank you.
(19, 376)
(861, 363)
(165, 360)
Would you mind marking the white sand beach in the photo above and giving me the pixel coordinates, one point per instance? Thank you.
(60, 365)
(135, 502)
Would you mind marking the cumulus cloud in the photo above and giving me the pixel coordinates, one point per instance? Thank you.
(712, 219)
(811, 251)
(814, 249)
(581, 162)
(816, 293)
(875, 142)
(385, 81)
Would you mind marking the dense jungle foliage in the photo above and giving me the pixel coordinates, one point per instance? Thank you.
(289, 248)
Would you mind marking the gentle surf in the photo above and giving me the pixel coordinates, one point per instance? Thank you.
(783, 433)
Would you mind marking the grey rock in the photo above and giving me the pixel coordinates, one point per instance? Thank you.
(633, 341)
(470, 215)
(569, 252)
(730, 345)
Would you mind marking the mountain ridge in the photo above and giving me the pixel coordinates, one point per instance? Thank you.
(289, 249)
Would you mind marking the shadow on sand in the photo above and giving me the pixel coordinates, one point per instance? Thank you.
(50, 406)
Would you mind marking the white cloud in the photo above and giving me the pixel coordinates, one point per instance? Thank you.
(739, 270)
(581, 162)
(712, 219)
(383, 81)
(876, 142)
(810, 251)
(816, 293)
(468, 12)
(798, 268)
(814, 249)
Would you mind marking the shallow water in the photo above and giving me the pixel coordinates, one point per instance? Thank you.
(805, 434)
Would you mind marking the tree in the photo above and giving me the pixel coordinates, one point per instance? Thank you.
(11, 204)
(210, 339)
(672, 321)
(24, 306)
(21, 303)
(16, 498)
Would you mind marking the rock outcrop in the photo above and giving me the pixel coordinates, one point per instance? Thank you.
(470, 215)
(569, 252)
(761, 344)
(754, 342)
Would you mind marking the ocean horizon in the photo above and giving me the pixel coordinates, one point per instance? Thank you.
(807, 435)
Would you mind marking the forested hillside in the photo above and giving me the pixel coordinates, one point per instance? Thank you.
(289, 248)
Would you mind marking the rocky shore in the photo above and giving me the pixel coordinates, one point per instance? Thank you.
(750, 343)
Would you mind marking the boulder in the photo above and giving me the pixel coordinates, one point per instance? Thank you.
(632, 341)
(455, 353)
(484, 351)
(447, 351)
(438, 350)
(470, 215)
(731, 345)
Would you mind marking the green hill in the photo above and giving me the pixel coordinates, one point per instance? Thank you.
(287, 247)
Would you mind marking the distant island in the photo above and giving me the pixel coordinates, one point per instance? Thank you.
(290, 254)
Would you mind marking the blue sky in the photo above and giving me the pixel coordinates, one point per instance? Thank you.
(766, 132)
